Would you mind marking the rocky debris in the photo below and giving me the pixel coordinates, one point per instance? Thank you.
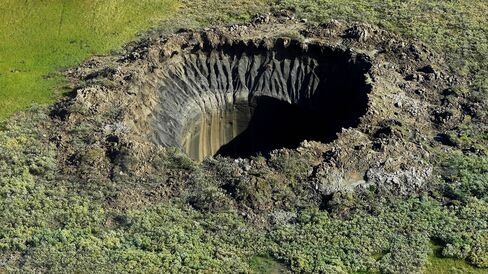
(283, 15)
(333, 24)
(403, 181)
(360, 33)
(281, 217)
(237, 28)
(331, 180)
(261, 19)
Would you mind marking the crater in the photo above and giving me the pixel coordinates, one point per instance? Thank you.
(242, 99)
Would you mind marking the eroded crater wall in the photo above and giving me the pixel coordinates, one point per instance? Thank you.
(204, 94)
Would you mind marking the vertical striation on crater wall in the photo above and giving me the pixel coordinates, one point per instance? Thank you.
(209, 97)
(210, 131)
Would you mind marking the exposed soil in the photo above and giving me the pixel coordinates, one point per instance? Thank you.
(361, 106)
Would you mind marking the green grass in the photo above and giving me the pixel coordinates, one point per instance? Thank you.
(39, 37)
(449, 265)
(442, 265)
(266, 265)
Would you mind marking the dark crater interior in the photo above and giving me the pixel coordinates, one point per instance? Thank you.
(240, 100)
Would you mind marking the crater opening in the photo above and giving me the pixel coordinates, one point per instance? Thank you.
(243, 99)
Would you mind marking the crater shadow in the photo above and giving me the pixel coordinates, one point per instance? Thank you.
(278, 124)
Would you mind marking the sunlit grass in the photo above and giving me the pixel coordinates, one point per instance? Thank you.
(39, 37)
(441, 265)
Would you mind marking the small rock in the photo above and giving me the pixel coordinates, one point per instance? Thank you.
(357, 32)
(415, 77)
(419, 91)
(261, 19)
(332, 24)
(135, 56)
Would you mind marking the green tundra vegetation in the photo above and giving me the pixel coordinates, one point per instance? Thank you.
(49, 223)
(456, 29)
(40, 37)
(62, 226)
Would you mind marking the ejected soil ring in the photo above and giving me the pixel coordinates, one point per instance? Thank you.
(361, 106)
(240, 99)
